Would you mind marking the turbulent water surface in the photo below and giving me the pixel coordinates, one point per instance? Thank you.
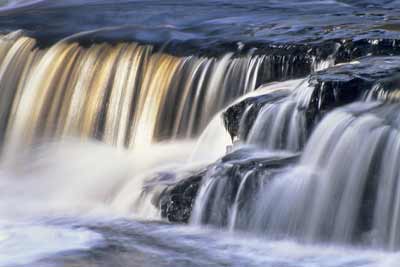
(286, 110)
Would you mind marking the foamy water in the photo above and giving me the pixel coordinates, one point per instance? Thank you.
(24, 243)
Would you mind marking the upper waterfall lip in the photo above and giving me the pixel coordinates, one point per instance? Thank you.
(204, 23)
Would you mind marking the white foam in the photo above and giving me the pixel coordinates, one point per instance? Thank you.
(26, 243)
(73, 179)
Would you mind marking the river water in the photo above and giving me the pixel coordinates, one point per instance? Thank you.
(84, 126)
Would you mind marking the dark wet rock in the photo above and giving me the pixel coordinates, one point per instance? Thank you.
(254, 169)
(174, 193)
(348, 50)
(177, 200)
(233, 115)
(367, 69)
(343, 84)
(333, 87)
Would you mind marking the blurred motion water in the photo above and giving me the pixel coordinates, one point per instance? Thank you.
(106, 104)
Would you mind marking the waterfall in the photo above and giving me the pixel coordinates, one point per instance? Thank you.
(345, 187)
(275, 117)
(129, 95)
(293, 177)
(200, 133)
(126, 94)
(58, 99)
(282, 124)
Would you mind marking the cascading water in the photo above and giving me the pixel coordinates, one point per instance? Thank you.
(125, 95)
(343, 189)
(274, 120)
(324, 197)
(283, 124)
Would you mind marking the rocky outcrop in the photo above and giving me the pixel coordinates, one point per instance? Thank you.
(233, 115)
(336, 86)
(236, 179)
(343, 84)
(177, 200)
